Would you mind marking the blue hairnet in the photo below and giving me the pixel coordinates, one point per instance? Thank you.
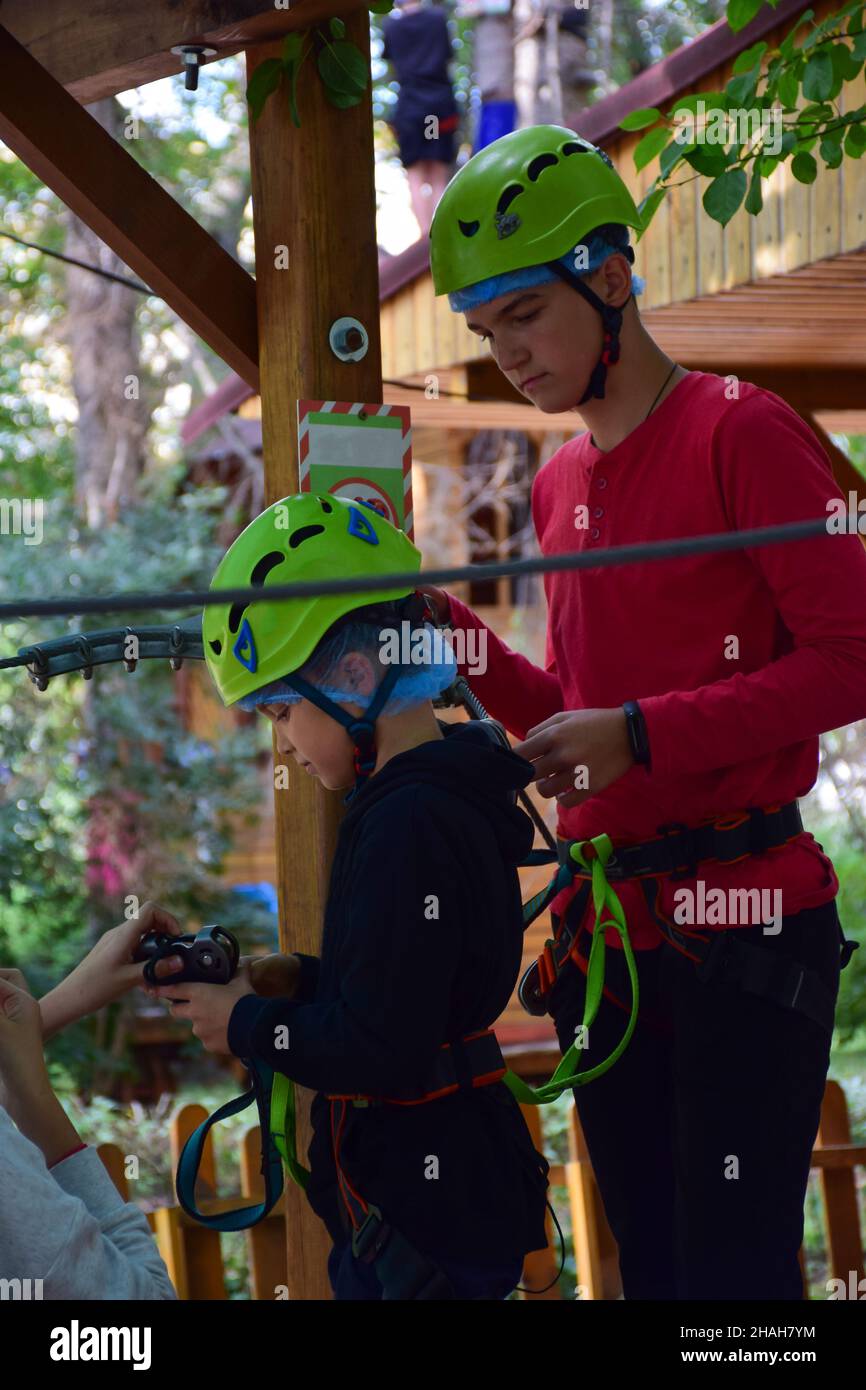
(423, 680)
(599, 247)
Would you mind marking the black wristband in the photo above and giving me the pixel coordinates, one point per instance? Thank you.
(637, 732)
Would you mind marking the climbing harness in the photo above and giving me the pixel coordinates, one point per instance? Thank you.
(403, 1271)
(676, 853)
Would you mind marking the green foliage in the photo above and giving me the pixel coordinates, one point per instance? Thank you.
(725, 194)
(265, 80)
(767, 85)
(340, 64)
(742, 12)
(343, 70)
(638, 120)
(804, 168)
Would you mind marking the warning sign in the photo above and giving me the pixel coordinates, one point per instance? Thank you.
(360, 451)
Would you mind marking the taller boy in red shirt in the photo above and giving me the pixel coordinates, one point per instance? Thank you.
(678, 712)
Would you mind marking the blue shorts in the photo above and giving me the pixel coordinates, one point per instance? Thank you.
(353, 1279)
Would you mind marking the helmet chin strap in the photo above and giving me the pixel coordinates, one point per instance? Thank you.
(362, 731)
(611, 320)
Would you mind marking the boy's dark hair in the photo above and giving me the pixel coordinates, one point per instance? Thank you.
(366, 624)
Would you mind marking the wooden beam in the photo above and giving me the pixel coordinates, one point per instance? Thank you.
(841, 389)
(314, 194)
(107, 48)
(100, 182)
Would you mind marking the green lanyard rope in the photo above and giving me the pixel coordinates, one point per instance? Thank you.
(592, 855)
(284, 1127)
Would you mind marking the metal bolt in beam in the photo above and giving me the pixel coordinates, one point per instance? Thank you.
(193, 55)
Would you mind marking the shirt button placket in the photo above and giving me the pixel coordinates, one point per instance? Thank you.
(597, 512)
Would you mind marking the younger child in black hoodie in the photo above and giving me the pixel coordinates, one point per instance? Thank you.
(421, 949)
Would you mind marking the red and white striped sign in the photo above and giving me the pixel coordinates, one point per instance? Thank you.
(360, 450)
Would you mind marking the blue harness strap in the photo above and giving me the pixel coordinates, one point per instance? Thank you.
(239, 1218)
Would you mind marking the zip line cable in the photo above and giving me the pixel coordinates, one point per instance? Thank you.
(82, 265)
(610, 556)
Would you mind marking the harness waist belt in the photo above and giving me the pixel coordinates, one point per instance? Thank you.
(471, 1062)
(675, 853)
(678, 849)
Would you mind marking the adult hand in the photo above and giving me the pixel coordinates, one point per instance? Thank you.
(440, 599)
(207, 1007)
(578, 753)
(107, 972)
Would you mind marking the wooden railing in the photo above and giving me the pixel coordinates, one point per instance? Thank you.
(194, 1259)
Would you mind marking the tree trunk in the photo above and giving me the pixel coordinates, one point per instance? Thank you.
(552, 81)
(493, 57)
(604, 31)
(106, 370)
(552, 84)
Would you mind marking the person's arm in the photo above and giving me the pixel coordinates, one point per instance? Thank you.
(106, 972)
(68, 1226)
(771, 470)
(397, 964)
(511, 687)
(61, 1218)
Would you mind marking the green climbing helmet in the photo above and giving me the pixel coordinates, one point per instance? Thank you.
(526, 199)
(300, 538)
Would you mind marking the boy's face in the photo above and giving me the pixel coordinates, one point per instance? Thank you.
(317, 742)
(549, 332)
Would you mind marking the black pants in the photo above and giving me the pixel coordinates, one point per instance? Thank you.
(701, 1134)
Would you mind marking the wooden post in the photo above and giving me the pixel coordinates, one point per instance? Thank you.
(201, 1268)
(595, 1250)
(313, 196)
(839, 1188)
(266, 1244)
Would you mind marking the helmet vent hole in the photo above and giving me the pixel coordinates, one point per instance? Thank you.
(260, 572)
(573, 148)
(468, 228)
(265, 565)
(216, 646)
(304, 534)
(326, 506)
(541, 162)
(506, 198)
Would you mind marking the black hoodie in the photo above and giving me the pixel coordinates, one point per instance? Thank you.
(421, 946)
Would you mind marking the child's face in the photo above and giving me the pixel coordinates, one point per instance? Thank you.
(550, 333)
(317, 742)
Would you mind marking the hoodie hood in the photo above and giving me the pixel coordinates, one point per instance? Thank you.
(470, 763)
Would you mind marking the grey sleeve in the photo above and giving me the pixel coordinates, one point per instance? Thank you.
(69, 1228)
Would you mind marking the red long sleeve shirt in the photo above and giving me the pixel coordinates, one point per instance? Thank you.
(739, 659)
